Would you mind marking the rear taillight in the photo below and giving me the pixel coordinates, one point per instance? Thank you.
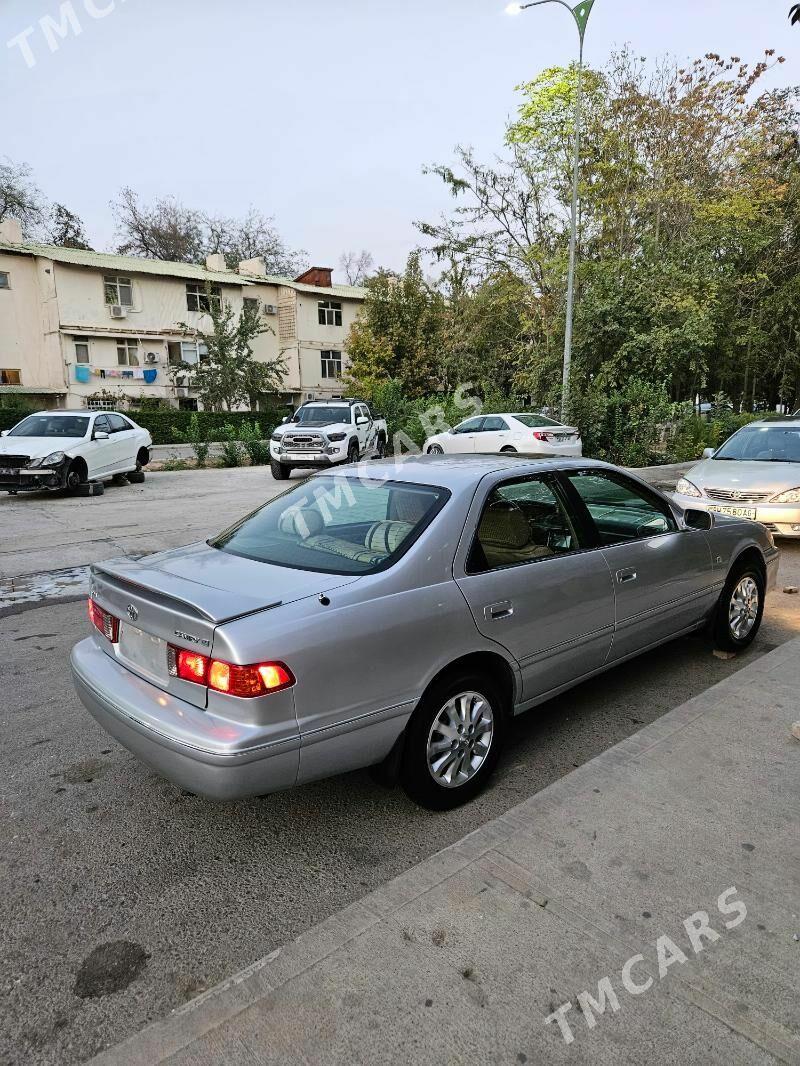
(104, 622)
(541, 436)
(245, 682)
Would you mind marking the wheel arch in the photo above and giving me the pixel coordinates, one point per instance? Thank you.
(751, 555)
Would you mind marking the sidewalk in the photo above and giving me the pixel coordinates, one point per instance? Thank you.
(461, 959)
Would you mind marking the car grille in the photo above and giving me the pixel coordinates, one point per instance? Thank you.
(14, 462)
(301, 441)
(735, 496)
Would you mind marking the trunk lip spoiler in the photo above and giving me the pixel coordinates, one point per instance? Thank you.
(125, 580)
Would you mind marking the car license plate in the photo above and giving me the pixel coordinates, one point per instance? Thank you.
(301, 456)
(735, 512)
(145, 652)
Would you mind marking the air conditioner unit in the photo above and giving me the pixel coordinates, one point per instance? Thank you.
(151, 357)
(270, 309)
(118, 311)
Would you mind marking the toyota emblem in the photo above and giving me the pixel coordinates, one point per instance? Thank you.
(133, 613)
(736, 495)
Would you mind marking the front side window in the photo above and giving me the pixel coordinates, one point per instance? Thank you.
(10, 377)
(521, 521)
(201, 297)
(762, 444)
(336, 525)
(127, 352)
(51, 426)
(621, 510)
(118, 290)
(472, 425)
(331, 364)
(102, 424)
(330, 313)
(81, 349)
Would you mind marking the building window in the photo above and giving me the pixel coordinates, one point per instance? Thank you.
(10, 377)
(187, 404)
(81, 349)
(118, 290)
(251, 303)
(200, 297)
(100, 405)
(193, 352)
(331, 364)
(330, 313)
(5, 280)
(127, 352)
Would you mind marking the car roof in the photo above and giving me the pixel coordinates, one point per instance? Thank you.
(457, 472)
(789, 420)
(77, 411)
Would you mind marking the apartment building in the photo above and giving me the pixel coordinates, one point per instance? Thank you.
(87, 329)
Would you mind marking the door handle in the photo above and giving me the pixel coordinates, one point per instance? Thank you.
(624, 576)
(497, 611)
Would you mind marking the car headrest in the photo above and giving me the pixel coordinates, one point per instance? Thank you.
(387, 536)
(301, 522)
(503, 525)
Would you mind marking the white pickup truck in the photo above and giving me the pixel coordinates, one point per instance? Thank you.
(326, 432)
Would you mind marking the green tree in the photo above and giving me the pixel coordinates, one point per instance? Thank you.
(228, 376)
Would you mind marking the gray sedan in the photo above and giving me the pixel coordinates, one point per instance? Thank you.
(397, 614)
(755, 475)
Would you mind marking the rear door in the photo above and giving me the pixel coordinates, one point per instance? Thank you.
(531, 585)
(662, 574)
(493, 436)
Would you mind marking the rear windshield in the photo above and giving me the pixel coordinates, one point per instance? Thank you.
(51, 426)
(336, 525)
(535, 421)
(764, 444)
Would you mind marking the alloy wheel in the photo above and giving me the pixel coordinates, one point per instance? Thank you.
(743, 609)
(460, 739)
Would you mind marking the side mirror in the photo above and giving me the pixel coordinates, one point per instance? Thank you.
(100, 434)
(708, 453)
(284, 420)
(3, 432)
(698, 519)
(362, 421)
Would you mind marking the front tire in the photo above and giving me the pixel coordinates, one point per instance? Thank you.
(436, 449)
(453, 741)
(74, 478)
(280, 471)
(740, 609)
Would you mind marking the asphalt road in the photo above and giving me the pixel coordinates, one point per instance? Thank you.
(105, 862)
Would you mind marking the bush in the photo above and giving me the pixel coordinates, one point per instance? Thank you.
(694, 433)
(231, 452)
(253, 442)
(196, 437)
(623, 427)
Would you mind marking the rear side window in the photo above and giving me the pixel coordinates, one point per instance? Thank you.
(620, 509)
(336, 525)
(118, 423)
(521, 521)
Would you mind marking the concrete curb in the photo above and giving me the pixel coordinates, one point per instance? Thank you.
(615, 767)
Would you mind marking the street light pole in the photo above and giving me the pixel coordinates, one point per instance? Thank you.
(581, 15)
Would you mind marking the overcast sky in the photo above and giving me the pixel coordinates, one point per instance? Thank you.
(319, 113)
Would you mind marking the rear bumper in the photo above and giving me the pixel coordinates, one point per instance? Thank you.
(195, 749)
(782, 519)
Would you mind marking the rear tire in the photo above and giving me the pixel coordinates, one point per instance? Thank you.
(136, 477)
(280, 471)
(143, 458)
(352, 452)
(740, 608)
(453, 741)
(508, 448)
(380, 451)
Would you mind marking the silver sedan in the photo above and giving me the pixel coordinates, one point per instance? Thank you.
(755, 475)
(400, 613)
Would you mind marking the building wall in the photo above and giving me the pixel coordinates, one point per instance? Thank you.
(312, 338)
(29, 322)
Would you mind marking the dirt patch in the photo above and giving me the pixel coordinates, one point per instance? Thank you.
(110, 968)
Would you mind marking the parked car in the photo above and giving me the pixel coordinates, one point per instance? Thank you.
(529, 433)
(755, 475)
(400, 615)
(66, 449)
(323, 433)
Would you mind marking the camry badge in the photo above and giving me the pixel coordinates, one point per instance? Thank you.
(133, 613)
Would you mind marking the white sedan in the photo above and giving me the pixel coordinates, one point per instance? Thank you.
(528, 433)
(67, 449)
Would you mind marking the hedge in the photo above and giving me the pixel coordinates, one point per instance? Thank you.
(162, 423)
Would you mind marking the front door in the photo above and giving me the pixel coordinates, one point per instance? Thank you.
(532, 588)
(463, 437)
(663, 574)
